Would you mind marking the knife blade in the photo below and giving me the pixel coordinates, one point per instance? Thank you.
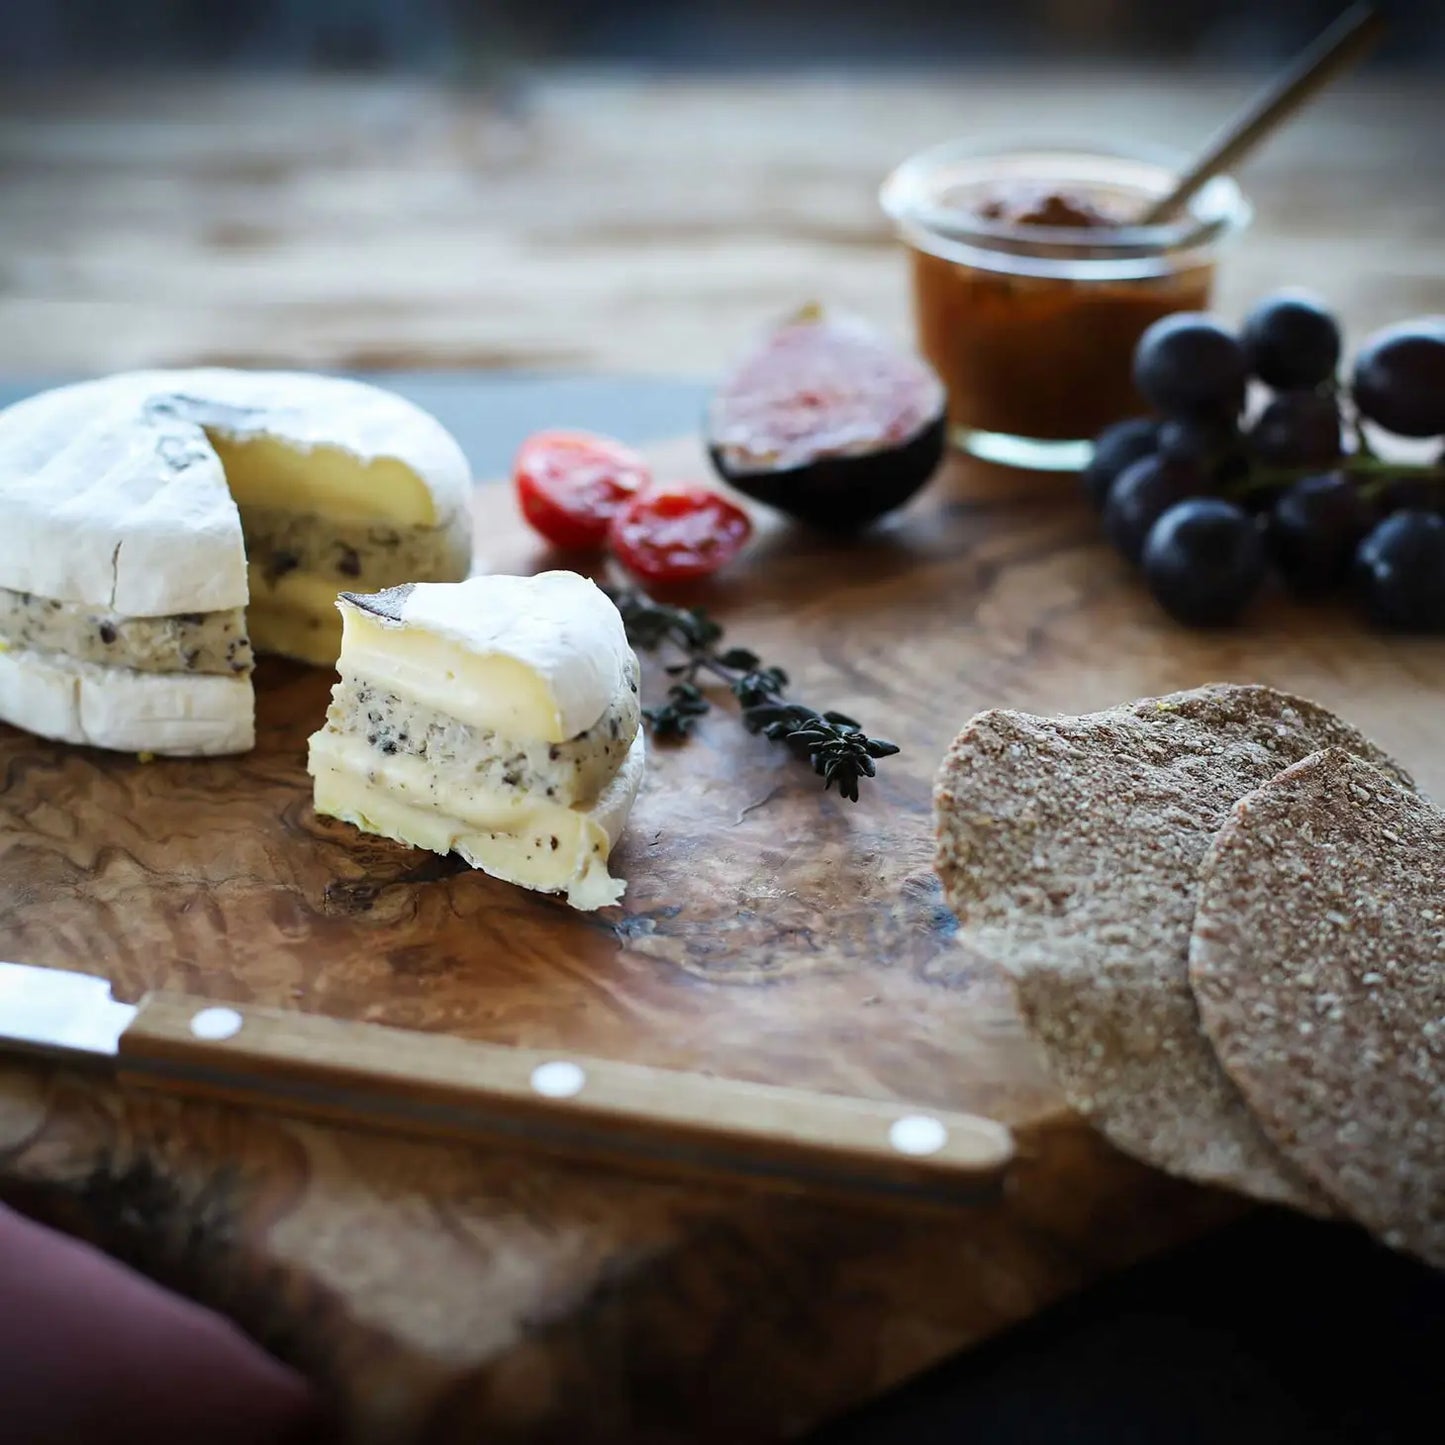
(550, 1101)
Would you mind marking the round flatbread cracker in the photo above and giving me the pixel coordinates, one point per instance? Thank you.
(1069, 849)
(1318, 961)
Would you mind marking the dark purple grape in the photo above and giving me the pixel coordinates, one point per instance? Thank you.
(1217, 448)
(1261, 499)
(1202, 442)
(1298, 429)
(1399, 380)
(1314, 530)
(1204, 561)
(1419, 494)
(1230, 470)
(1115, 448)
(1189, 366)
(1291, 340)
(1400, 572)
(1142, 494)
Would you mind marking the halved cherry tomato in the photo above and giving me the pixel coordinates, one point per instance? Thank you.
(570, 484)
(674, 532)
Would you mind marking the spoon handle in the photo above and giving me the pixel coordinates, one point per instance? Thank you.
(1335, 50)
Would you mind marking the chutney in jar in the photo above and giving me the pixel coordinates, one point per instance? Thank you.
(1032, 283)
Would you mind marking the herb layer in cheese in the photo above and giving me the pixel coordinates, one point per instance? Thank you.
(520, 839)
(462, 756)
(366, 556)
(194, 642)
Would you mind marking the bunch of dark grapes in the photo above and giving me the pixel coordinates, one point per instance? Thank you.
(1210, 501)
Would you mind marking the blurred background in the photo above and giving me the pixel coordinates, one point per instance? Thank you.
(444, 37)
(624, 186)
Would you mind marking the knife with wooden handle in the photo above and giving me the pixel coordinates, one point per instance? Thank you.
(552, 1101)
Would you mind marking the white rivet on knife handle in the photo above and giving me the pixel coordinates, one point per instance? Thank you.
(560, 1079)
(917, 1134)
(214, 1024)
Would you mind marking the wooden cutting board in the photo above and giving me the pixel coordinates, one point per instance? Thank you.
(770, 931)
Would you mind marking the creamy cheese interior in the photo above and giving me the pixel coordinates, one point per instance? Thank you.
(490, 691)
(524, 840)
(297, 564)
(262, 471)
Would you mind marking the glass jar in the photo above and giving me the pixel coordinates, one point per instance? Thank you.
(1032, 326)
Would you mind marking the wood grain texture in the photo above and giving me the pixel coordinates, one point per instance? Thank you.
(769, 931)
(591, 222)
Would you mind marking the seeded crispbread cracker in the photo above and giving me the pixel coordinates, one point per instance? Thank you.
(1069, 849)
(1318, 962)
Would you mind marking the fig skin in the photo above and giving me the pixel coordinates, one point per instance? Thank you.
(845, 493)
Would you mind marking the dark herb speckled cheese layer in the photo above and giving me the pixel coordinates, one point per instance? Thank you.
(465, 757)
(191, 642)
(362, 554)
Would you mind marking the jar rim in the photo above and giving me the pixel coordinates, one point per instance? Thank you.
(916, 194)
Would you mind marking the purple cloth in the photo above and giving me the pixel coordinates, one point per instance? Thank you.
(93, 1353)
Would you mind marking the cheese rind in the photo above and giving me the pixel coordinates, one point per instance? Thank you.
(105, 508)
(114, 495)
(183, 714)
(527, 657)
(527, 841)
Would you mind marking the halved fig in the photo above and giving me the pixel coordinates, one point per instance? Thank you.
(828, 422)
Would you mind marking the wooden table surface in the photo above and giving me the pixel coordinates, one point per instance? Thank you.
(647, 226)
(602, 223)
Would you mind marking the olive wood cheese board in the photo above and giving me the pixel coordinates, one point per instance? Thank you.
(771, 933)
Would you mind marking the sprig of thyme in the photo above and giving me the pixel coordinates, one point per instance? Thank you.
(839, 750)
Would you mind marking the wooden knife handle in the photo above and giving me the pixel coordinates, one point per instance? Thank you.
(559, 1103)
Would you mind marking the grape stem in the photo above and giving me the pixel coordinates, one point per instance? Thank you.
(1372, 472)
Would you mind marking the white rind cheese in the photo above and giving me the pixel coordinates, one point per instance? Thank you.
(105, 506)
(497, 718)
(135, 498)
(113, 492)
(180, 714)
(527, 657)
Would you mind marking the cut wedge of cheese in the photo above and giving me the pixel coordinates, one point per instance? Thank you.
(140, 496)
(528, 657)
(535, 844)
(497, 718)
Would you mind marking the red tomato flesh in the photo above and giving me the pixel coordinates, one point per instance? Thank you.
(571, 484)
(676, 532)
